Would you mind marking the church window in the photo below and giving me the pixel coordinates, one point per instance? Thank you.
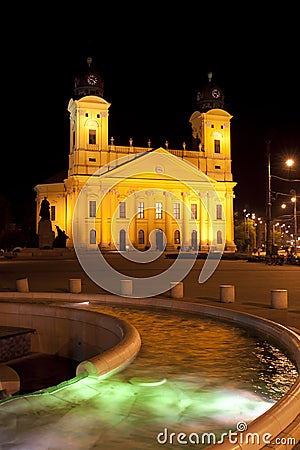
(140, 210)
(158, 210)
(52, 213)
(141, 237)
(92, 236)
(217, 146)
(219, 237)
(92, 136)
(92, 208)
(176, 210)
(194, 212)
(219, 212)
(122, 210)
(176, 237)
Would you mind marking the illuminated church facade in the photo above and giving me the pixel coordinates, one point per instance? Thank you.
(123, 197)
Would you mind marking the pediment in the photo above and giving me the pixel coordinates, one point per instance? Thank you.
(157, 164)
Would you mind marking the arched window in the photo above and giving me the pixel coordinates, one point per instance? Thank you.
(141, 237)
(219, 237)
(92, 236)
(176, 237)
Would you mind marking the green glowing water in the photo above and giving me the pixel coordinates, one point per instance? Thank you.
(193, 375)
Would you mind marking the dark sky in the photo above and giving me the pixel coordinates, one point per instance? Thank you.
(152, 66)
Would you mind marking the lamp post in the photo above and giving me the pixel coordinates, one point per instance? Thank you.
(294, 200)
(268, 204)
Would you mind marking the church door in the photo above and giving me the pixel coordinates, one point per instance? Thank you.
(122, 240)
(159, 240)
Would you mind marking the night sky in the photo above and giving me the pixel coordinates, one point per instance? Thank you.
(152, 66)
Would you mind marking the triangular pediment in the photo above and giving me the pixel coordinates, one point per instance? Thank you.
(157, 164)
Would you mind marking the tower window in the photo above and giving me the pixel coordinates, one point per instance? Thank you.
(92, 136)
(217, 146)
(219, 212)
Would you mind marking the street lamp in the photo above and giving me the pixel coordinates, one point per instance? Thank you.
(289, 162)
(294, 200)
(268, 204)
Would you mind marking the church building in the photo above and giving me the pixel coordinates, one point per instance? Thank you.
(123, 197)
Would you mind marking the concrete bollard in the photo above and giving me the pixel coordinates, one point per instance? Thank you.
(279, 298)
(75, 285)
(22, 285)
(227, 293)
(176, 288)
(126, 287)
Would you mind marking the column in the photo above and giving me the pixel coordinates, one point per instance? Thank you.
(150, 214)
(230, 245)
(132, 215)
(105, 214)
(185, 221)
(168, 219)
(203, 238)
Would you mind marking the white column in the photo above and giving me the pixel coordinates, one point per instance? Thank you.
(203, 238)
(185, 221)
(168, 219)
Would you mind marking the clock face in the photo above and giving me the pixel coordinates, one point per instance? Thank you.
(92, 79)
(215, 93)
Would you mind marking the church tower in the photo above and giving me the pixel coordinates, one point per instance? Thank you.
(88, 123)
(211, 132)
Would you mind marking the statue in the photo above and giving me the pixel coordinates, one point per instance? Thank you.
(45, 233)
(61, 238)
(45, 209)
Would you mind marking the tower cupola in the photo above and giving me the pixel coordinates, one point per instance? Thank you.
(210, 96)
(89, 82)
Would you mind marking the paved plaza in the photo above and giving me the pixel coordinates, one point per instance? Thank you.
(252, 281)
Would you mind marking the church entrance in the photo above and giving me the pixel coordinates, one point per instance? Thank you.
(194, 240)
(159, 236)
(122, 240)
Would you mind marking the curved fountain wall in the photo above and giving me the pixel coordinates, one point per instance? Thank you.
(102, 343)
(123, 343)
